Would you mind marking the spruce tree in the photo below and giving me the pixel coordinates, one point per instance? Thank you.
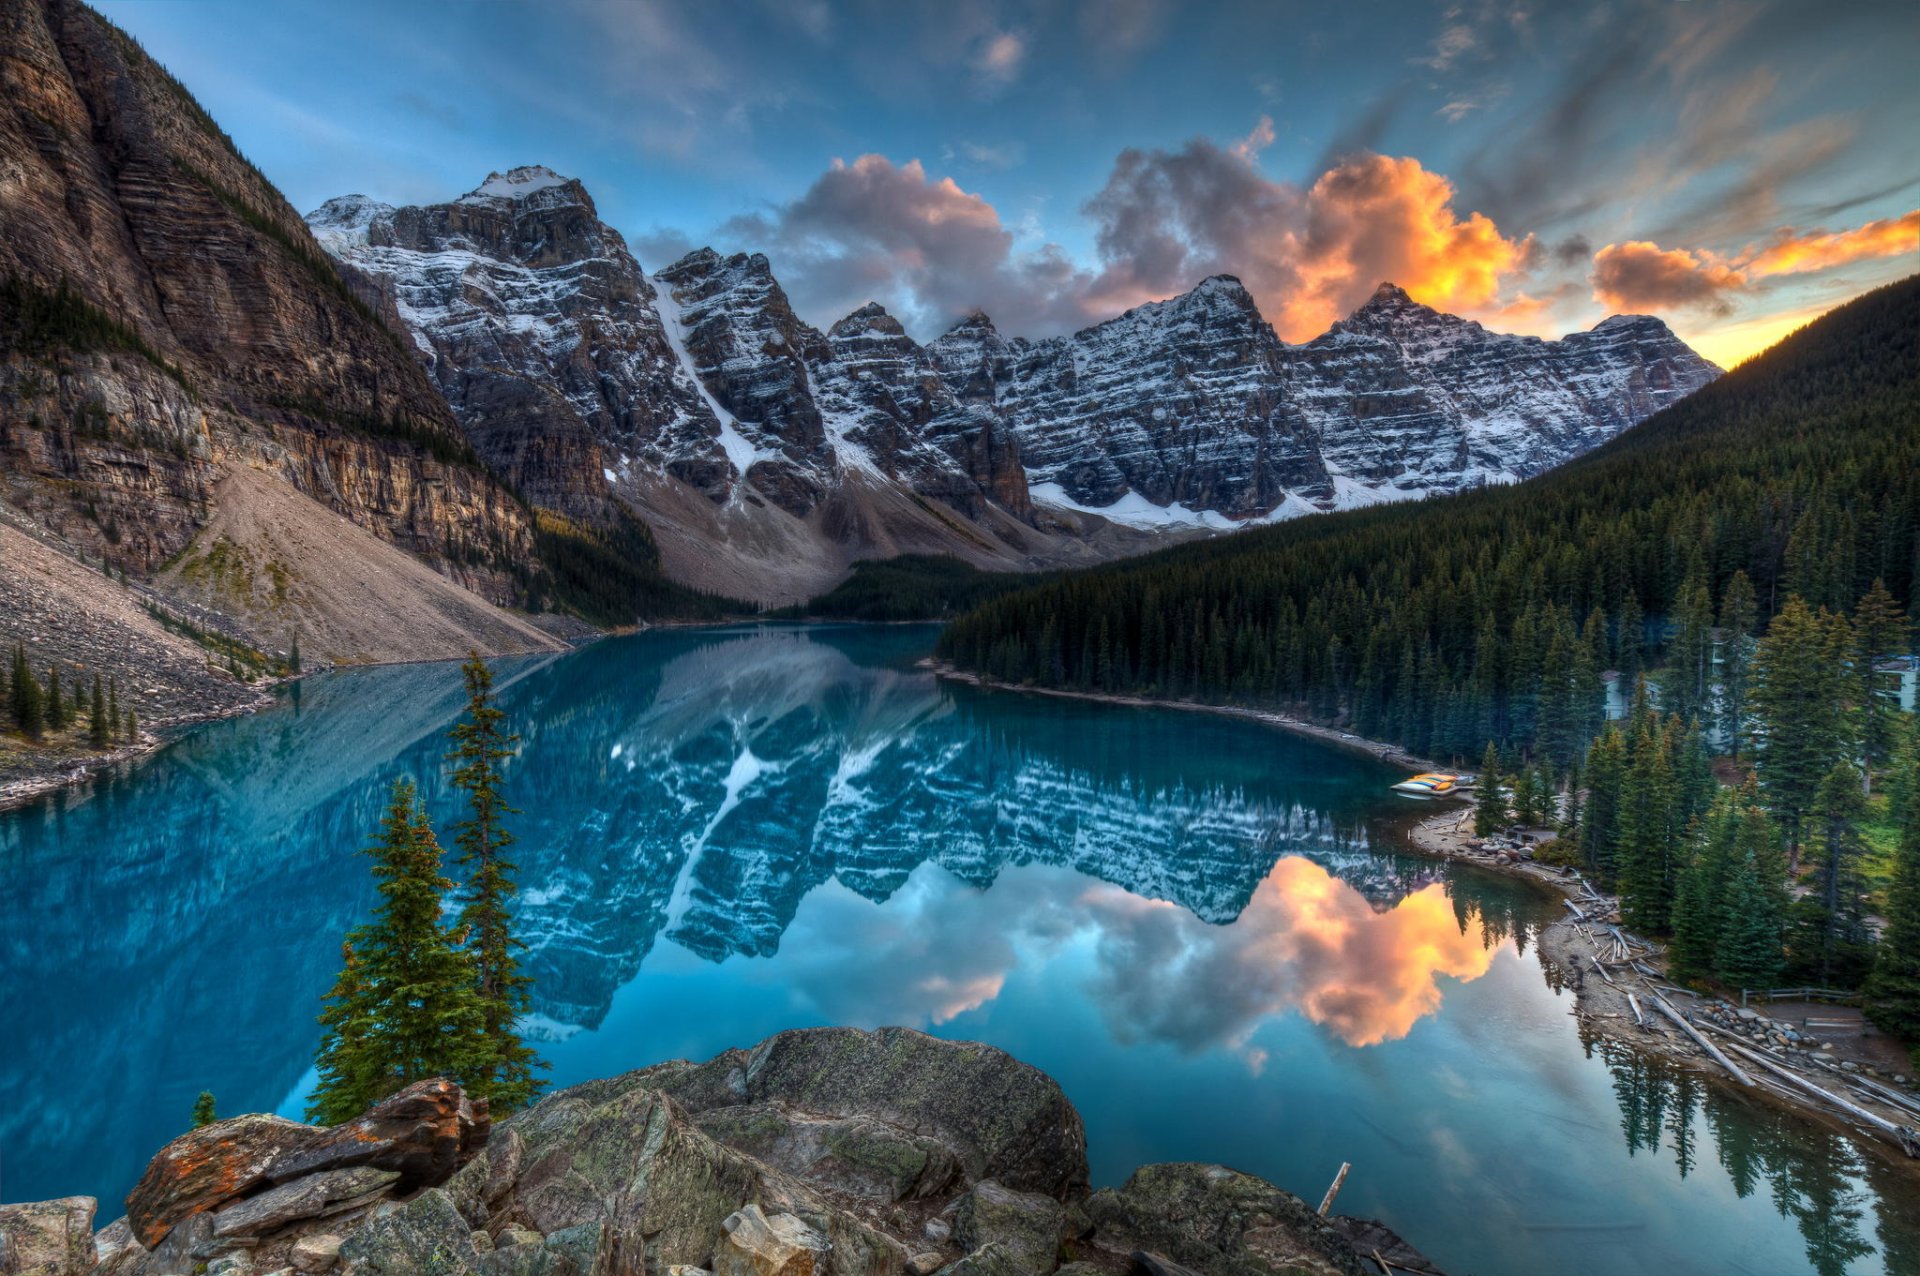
(1490, 799)
(1686, 681)
(1606, 789)
(1893, 990)
(1879, 631)
(1647, 833)
(1701, 887)
(1526, 802)
(293, 656)
(481, 744)
(1834, 938)
(1748, 953)
(57, 715)
(404, 1007)
(203, 1113)
(99, 730)
(133, 727)
(29, 703)
(1739, 611)
(1798, 701)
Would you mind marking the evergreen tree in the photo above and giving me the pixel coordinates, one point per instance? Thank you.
(1701, 887)
(404, 1007)
(1526, 801)
(57, 715)
(1893, 990)
(1490, 799)
(1739, 612)
(293, 655)
(1647, 833)
(1606, 789)
(133, 727)
(114, 719)
(1798, 702)
(481, 744)
(1686, 681)
(1833, 938)
(1628, 638)
(203, 1113)
(99, 730)
(29, 703)
(1879, 631)
(1748, 953)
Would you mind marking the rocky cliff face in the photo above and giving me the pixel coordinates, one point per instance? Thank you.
(826, 1152)
(168, 317)
(1192, 407)
(1181, 415)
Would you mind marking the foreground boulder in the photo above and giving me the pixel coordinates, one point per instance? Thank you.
(820, 1153)
(1003, 1119)
(421, 1134)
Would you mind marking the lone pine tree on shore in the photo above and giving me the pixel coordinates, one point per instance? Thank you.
(203, 1113)
(481, 742)
(405, 1006)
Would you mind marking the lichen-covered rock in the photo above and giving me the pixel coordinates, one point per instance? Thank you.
(585, 1250)
(856, 1154)
(1026, 1225)
(988, 1260)
(47, 1238)
(316, 1253)
(422, 1133)
(1003, 1119)
(314, 1196)
(425, 1237)
(630, 1157)
(1220, 1222)
(756, 1244)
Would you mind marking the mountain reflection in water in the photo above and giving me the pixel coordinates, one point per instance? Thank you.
(724, 833)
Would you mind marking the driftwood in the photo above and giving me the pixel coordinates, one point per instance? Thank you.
(1908, 1140)
(1326, 1202)
(1681, 1022)
(1602, 969)
(1575, 908)
(1637, 1016)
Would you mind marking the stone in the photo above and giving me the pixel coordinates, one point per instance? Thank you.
(927, 1263)
(425, 1237)
(230, 1264)
(1026, 1225)
(423, 1133)
(315, 1196)
(1148, 1263)
(1214, 1219)
(758, 1245)
(482, 1242)
(938, 1230)
(47, 1238)
(989, 1260)
(517, 1236)
(113, 1240)
(314, 1253)
(856, 1154)
(585, 1250)
(1002, 1119)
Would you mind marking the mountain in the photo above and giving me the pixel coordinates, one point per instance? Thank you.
(186, 379)
(1488, 615)
(767, 455)
(1195, 403)
(764, 454)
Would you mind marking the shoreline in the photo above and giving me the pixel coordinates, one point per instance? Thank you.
(1588, 961)
(1618, 997)
(1375, 749)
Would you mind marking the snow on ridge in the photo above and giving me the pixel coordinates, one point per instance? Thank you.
(741, 452)
(515, 183)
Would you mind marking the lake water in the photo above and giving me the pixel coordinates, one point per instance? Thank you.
(1188, 920)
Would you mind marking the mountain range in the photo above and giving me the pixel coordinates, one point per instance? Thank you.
(772, 454)
(398, 432)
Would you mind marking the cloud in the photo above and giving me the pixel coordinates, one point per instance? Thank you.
(997, 58)
(1003, 155)
(1167, 219)
(927, 249)
(1258, 139)
(1793, 252)
(1641, 275)
(1307, 941)
(1454, 42)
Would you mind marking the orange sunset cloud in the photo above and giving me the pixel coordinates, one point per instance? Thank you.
(1793, 252)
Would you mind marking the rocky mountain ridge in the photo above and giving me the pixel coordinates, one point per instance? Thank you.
(587, 380)
(820, 1152)
(167, 320)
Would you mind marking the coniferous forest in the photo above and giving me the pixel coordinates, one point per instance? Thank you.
(1737, 566)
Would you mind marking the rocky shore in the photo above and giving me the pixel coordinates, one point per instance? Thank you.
(1622, 991)
(822, 1152)
(1391, 754)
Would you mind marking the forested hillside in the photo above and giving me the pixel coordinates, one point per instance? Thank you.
(1489, 616)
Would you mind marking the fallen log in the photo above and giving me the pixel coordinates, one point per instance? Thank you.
(1907, 1139)
(1680, 1021)
(1326, 1202)
(1637, 1016)
(1602, 969)
(1577, 914)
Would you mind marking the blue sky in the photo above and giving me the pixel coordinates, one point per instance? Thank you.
(1734, 167)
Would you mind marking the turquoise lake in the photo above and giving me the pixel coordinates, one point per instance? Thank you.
(1195, 923)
